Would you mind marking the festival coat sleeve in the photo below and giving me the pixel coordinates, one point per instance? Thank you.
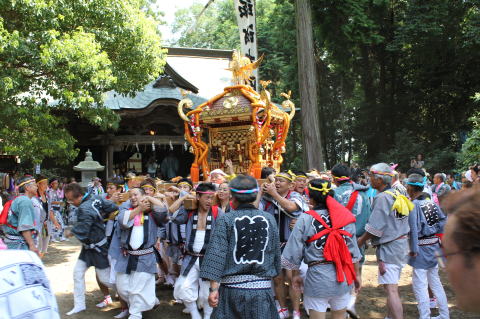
(442, 221)
(352, 243)
(377, 222)
(293, 253)
(108, 206)
(123, 218)
(300, 202)
(276, 244)
(82, 227)
(180, 216)
(26, 215)
(158, 214)
(413, 223)
(215, 258)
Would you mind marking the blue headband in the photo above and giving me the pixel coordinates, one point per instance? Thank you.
(422, 184)
(244, 191)
(416, 184)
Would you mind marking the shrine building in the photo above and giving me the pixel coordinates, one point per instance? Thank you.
(150, 126)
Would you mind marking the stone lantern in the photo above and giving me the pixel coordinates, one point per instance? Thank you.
(89, 169)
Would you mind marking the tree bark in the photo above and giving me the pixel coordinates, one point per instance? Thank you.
(307, 78)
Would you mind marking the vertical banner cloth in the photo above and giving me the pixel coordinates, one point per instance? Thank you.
(245, 11)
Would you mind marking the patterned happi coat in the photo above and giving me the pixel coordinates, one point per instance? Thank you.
(244, 255)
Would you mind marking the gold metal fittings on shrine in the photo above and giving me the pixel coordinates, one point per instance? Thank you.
(288, 104)
(185, 102)
(242, 68)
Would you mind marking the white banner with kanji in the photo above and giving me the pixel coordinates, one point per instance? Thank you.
(245, 11)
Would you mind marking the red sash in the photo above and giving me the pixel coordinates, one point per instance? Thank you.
(351, 202)
(336, 249)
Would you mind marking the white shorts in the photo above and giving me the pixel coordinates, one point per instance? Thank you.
(391, 276)
(303, 270)
(322, 304)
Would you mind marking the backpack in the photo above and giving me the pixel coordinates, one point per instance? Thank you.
(5, 213)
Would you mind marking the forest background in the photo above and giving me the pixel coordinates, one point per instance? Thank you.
(396, 78)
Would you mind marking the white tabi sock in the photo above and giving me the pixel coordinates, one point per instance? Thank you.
(207, 312)
(192, 307)
(75, 310)
(351, 303)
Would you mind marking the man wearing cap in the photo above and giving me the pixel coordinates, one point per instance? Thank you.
(388, 230)
(242, 258)
(285, 205)
(19, 230)
(217, 177)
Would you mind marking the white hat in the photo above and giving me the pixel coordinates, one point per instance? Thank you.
(468, 176)
(218, 171)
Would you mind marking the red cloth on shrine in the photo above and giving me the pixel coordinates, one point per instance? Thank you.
(336, 249)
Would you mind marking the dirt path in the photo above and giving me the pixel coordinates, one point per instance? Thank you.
(61, 259)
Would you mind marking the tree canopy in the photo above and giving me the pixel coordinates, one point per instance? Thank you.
(395, 78)
(64, 55)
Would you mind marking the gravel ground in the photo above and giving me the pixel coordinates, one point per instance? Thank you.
(61, 259)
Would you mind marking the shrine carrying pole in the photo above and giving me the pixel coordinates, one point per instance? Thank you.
(307, 79)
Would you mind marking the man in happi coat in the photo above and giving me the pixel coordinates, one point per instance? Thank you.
(55, 208)
(190, 288)
(324, 238)
(20, 229)
(175, 234)
(388, 230)
(90, 231)
(242, 257)
(137, 265)
(426, 221)
(286, 206)
(354, 197)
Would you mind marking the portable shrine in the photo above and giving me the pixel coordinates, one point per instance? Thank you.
(239, 124)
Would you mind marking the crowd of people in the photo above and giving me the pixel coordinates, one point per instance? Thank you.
(237, 247)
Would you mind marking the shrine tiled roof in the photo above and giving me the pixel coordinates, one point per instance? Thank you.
(115, 101)
(199, 71)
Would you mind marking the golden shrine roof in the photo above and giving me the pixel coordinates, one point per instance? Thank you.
(236, 102)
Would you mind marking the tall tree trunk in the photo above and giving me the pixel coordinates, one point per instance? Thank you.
(313, 151)
(369, 90)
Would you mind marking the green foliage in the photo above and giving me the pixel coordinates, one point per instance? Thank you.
(405, 70)
(395, 78)
(215, 29)
(58, 56)
(407, 146)
(470, 152)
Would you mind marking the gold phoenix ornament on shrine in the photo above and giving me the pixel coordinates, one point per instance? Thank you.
(238, 124)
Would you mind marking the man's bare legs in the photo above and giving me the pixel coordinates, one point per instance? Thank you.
(294, 294)
(339, 314)
(394, 304)
(102, 287)
(279, 285)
